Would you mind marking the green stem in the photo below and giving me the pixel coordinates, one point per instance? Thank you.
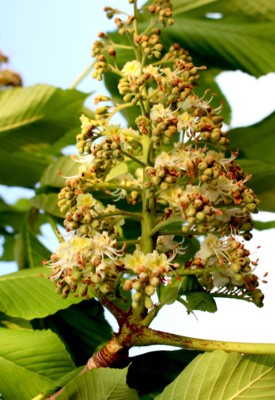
(133, 158)
(82, 76)
(118, 109)
(131, 215)
(112, 186)
(151, 315)
(151, 337)
(147, 223)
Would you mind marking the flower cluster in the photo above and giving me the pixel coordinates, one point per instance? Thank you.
(142, 192)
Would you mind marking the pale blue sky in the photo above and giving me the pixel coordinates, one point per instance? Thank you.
(49, 41)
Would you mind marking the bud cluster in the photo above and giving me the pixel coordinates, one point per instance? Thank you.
(229, 265)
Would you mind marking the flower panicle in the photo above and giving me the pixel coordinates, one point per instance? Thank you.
(162, 188)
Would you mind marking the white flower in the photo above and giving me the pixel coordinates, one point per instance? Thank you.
(165, 159)
(165, 244)
(103, 245)
(158, 111)
(172, 196)
(75, 252)
(135, 260)
(219, 188)
(85, 201)
(157, 261)
(152, 71)
(214, 250)
(185, 122)
(139, 262)
(209, 247)
(132, 69)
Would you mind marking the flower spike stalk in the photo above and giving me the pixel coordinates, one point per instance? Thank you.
(159, 209)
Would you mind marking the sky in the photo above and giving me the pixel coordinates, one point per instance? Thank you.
(49, 41)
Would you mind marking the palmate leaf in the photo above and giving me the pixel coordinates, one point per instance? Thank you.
(255, 142)
(226, 44)
(20, 168)
(56, 172)
(32, 120)
(28, 250)
(28, 294)
(224, 376)
(256, 156)
(48, 203)
(262, 182)
(239, 40)
(262, 10)
(30, 361)
(82, 328)
(99, 384)
(201, 301)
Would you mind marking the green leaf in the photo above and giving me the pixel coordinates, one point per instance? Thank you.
(20, 383)
(24, 106)
(201, 301)
(13, 323)
(34, 351)
(48, 203)
(224, 376)
(263, 225)
(119, 169)
(30, 294)
(81, 327)
(32, 120)
(255, 142)
(207, 81)
(235, 41)
(189, 283)
(8, 247)
(169, 226)
(262, 10)
(168, 294)
(20, 169)
(262, 182)
(29, 251)
(99, 384)
(56, 172)
(30, 361)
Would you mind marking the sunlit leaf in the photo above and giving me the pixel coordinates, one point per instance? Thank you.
(82, 328)
(30, 294)
(99, 384)
(56, 172)
(240, 39)
(30, 361)
(119, 169)
(20, 383)
(201, 301)
(32, 120)
(28, 250)
(48, 203)
(224, 376)
(168, 294)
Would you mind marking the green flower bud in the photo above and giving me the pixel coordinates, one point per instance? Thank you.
(148, 303)
(149, 290)
(137, 296)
